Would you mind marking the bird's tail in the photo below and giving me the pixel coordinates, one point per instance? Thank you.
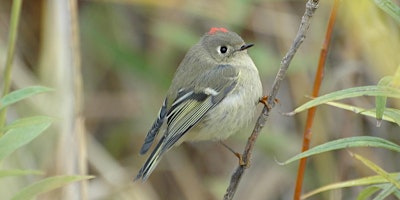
(152, 161)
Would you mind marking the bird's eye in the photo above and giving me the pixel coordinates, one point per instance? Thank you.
(223, 49)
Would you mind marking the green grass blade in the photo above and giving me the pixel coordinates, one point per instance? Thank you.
(18, 172)
(349, 93)
(46, 185)
(27, 121)
(350, 183)
(380, 101)
(17, 137)
(360, 141)
(389, 8)
(397, 193)
(393, 114)
(21, 94)
(374, 167)
(387, 190)
(367, 192)
(390, 114)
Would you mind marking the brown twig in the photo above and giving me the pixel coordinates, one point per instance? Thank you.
(307, 134)
(311, 6)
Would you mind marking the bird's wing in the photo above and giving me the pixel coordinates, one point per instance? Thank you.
(192, 104)
(151, 135)
(189, 106)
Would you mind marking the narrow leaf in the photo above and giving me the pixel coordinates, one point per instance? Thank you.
(360, 141)
(376, 169)
(393, 114)
(367, 192)
(349, 93)
(17, 137)
(380, 101)
(27, 121)
(350, 183)
(390, 114)
(46, 185)
(389, 8)
(21, 94)
(387, 190)
(18, 172)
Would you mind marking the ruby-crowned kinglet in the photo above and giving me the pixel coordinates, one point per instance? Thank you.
(215, 90)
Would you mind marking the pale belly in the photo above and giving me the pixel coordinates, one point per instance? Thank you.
(233, 113)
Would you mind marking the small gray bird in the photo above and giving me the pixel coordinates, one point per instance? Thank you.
(215, 90)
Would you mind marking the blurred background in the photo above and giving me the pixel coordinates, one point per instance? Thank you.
(112, 76)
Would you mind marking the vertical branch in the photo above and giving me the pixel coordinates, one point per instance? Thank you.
(77, 85)
(61, 69)
(311, 6)
(307, 134)
(12, 38)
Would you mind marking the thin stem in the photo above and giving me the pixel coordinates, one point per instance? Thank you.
(77, 85)
(15, 13)
(307, 134)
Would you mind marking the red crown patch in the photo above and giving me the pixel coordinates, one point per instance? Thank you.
(214, 30)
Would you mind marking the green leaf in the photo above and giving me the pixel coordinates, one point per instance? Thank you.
(380, 101)
(24, 122)
(393, 114)
(21, 135)
(374, 167)
(18, 172)
(390, 114)
(21, 94)
(390, 8)
(360, 141)
(387, 190)
(350, 183)
(46, 185)
(349, 93)
(367, 192)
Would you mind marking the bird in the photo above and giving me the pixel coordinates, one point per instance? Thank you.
(214, 93)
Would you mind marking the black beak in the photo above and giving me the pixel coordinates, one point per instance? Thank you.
(245, 46)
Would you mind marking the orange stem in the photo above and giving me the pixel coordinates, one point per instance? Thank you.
(307, 134)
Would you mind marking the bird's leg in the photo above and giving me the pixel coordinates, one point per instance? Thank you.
(264, 100)
(238, 155)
